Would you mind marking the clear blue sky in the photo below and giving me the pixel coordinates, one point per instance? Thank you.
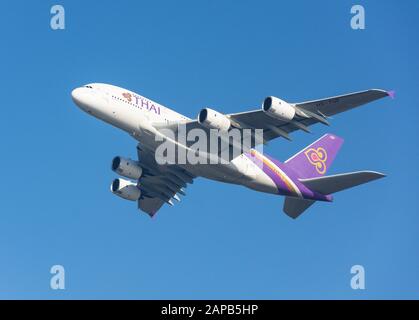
(221, 241)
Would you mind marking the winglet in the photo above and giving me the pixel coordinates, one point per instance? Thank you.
(391, 94)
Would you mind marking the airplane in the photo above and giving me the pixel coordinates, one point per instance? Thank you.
(301, 178)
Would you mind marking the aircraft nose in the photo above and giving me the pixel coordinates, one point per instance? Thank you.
(76, 95)
(83, 98)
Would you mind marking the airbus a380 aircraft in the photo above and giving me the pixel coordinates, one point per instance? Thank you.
(301, 179)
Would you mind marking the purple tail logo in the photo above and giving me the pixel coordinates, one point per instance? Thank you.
(317, 157)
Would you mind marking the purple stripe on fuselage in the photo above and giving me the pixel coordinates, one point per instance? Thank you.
(286, 188)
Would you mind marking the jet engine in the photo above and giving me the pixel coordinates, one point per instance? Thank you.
(125, 189)
(127, 168)
(214, 120)
(278, 109)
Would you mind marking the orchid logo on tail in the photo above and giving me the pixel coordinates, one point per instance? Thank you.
(317, 157)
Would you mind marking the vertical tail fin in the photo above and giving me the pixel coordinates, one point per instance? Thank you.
(315, 160)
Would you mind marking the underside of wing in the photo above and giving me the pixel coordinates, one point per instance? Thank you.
(334, 105)
(307, 113)
(150, 205)
(160, 184)
(292, 116)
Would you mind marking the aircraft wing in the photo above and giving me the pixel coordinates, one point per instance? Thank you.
(159, 184)
(308, 113)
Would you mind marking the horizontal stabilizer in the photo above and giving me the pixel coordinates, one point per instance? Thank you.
(293, 207)
(331, 184)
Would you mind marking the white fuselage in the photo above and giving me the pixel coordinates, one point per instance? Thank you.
(140, 116)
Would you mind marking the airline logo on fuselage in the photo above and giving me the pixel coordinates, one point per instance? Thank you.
(141, 102)
(127, 96)
(317, 157)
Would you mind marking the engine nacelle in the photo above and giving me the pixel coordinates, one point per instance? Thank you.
(214, 120)
(125, 189)
(127, 168)
(278, 109)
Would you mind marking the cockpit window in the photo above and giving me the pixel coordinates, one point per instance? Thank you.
(90, 87)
